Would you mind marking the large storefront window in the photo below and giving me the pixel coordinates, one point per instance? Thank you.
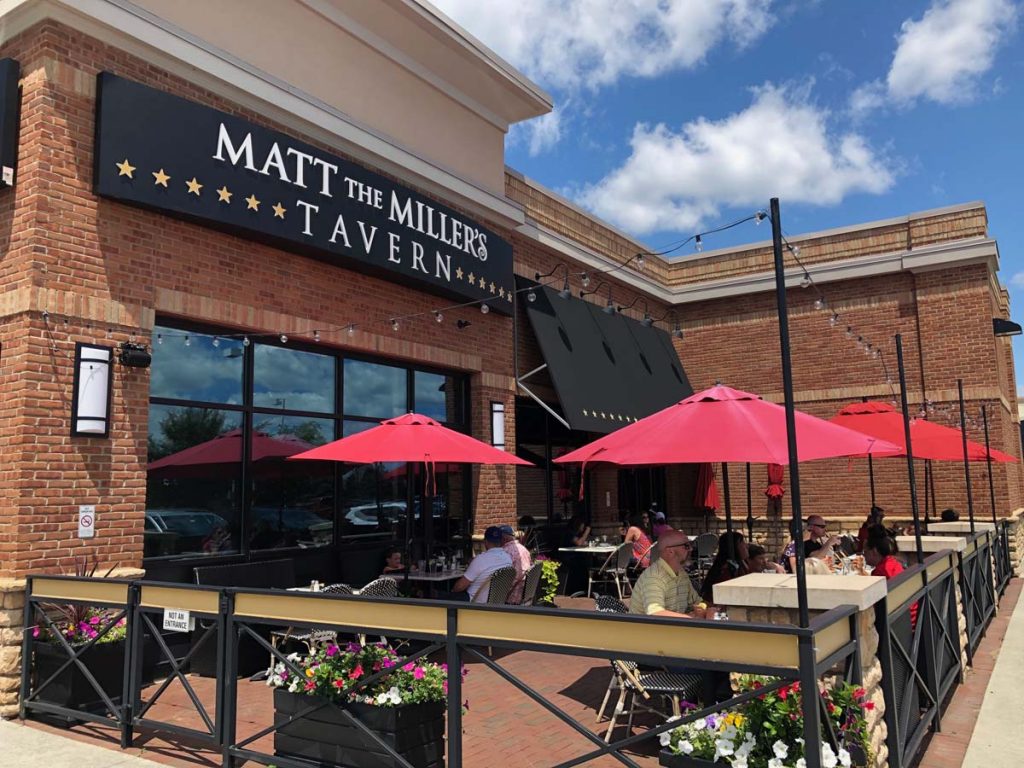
(226, 415)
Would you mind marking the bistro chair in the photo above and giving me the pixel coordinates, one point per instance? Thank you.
(704, 549)
(532, 584)
(613, 570)
(499, 585)
(632, 681)
(634, 569)
(311, 637)
(382, 587)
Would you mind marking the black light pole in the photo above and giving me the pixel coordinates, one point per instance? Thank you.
(750, 510)
(871, 469)
(988, 462)
(967, 464)
(796, 524)
(910, 448)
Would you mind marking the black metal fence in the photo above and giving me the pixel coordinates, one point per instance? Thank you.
(227, 618)
(977, 587)
(1003, 563)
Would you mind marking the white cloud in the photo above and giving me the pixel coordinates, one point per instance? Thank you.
(575, 44)
(542, 133)
(781, 145)
(1017, 280)
(943, 55)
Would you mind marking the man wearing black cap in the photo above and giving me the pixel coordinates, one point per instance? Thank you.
(476, 580)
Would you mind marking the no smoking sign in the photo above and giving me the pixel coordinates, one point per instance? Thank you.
(86, 521)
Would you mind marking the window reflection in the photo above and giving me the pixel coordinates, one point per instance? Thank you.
(293, 380)
(437, 396)
(374, 495)
(374, 390)
(193, 489)
(293, 501)
(197, 370)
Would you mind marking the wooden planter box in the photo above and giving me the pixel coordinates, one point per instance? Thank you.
(71, 689)
(415, 731)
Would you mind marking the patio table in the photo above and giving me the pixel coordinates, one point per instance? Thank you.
(577, 564)
(426, 575)
(597, 549)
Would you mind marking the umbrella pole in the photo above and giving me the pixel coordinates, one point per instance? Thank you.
(927, 477)
(871, 472)
(728, 509)
(811, 714)
(910, 448)
(750, 509)
(967, 465)
(988, 462)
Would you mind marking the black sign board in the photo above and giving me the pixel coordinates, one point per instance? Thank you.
(10, 112)
(172, 155)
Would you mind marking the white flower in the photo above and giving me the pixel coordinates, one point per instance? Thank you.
(665, 738)
(685, 747)
(745, 748)
(781, 750)
(828, 757)
(844, 758)
(775, 762)
(800, 762)
(723, 748)
(739, 761)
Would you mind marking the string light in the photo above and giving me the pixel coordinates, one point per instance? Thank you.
(284, 339)
(159, 338)
(216, 341)
(394, 325)
(439, 317)
(245, 341)
(352, 330)
(833, 320)
(805, 281)
(188, 341)
(484, 309)
(819, 303)
(316, 336)
(698, 244)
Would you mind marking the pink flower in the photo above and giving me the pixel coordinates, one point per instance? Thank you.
(444, 687)
(860, 693)
(35, 631)
(356, 673)
(376, 666)
(409, 667)
(94, 620)
(869, 706)
(387, 663)
(310, 685)
(339, 684)
(418, 673)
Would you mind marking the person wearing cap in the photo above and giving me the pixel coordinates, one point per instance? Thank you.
(520, 561)
(660, 525)
(816, 530)
(476, 580)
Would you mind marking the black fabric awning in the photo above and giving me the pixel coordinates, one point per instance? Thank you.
(608, 370)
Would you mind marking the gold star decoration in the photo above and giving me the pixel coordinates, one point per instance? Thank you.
(125, 169)
(501, 292)
(224, 196)
(602, 414)
(584, 411)
(252, 203)
(193, 186)
(458, 273)
(161, 178)
(509, 297)
(472, 279)
(279, 211)
(494, 288)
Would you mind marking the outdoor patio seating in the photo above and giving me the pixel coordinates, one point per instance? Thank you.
(382, 587)
(614, 570)
(704, 551)
(498, 586)
(310, 637)
(630, 680)
(532, 584)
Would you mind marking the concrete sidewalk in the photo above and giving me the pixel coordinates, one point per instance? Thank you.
(996, 741)
(21, 745)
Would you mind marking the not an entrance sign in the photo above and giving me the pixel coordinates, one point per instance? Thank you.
(178, 621)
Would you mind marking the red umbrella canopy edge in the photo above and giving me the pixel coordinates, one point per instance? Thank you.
(725, 424)
(413, 438)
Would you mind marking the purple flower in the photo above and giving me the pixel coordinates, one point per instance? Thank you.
(331, 650)
(94, 620)
(353, 648)
(35, 631)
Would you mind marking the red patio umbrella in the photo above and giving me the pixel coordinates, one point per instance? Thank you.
(225, 450)
(928, 439)
(707, 491)
(727, 425)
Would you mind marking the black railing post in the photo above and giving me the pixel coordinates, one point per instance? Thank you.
(967, 463)
(809, 701)
(988, 463)
(750, 510)
(728, 508)
(787, 390)
(225, 606)
(892, 720)
(966, 604)
(26, 649)
(454, 655)
(132, 660)
(229, 679)
(910, 448)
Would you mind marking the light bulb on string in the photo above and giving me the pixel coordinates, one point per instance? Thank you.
(860, 342)
(698, 244)
(284, 339)
(531, 296)
(316, 335)
(484, 309)
(394, 324)
(639, 261)
(159, 338)
(216, 341)
(875, 353)
(245, 341)
(585, 279)
(834, 320)
(819, 303)
(795, 249)
(849, 332)
(438, 316)
(805, 281)
(188, 341)
(759, 217)
(352, 330)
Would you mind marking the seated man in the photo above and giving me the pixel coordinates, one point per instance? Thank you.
(520, 561)
(476, 580)
(664, 589)
(758, 562)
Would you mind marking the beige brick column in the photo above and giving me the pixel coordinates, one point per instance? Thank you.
(12, 608)
(772, 599)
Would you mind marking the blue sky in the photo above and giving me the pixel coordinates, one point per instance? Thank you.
(673, 117)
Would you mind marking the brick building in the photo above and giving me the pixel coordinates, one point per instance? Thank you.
(261, 340)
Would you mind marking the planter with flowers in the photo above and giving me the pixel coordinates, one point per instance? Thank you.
(104, 660)
(548, 582)
(405, 708)
(767, 731)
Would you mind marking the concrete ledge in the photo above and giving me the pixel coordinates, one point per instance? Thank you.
(777, 590)
(908, 544)
(959, 527)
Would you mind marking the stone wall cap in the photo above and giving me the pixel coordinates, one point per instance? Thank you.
(778, 590)
(959, 527)
(932, 543)
(12, 585)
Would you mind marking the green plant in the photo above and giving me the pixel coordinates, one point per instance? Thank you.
(548, 580)
(81, 623)
(332, 671)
